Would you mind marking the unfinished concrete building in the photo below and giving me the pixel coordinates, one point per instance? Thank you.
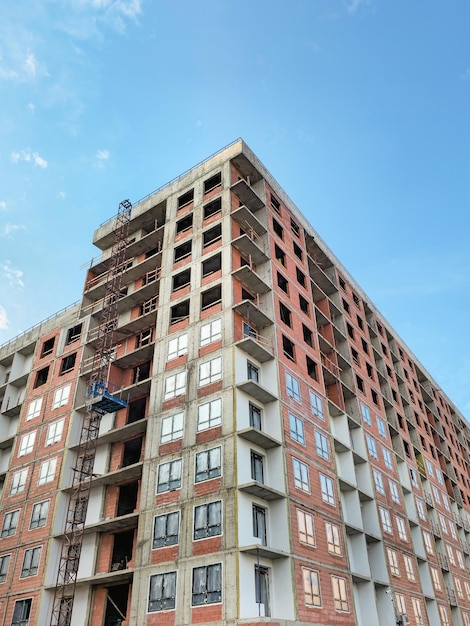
(243, 437)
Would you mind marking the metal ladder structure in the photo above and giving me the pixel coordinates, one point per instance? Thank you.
(99, 401)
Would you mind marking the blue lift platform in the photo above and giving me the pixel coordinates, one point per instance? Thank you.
(101, 400)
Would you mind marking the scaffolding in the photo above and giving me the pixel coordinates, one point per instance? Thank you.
(100, 400)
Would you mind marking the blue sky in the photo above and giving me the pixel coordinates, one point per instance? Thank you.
(360, 109)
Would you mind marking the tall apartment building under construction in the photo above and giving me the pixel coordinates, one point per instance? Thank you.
(225, 430)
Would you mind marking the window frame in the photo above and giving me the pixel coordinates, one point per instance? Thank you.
(168, 584)
(211, 421)
(175, 430)
(175, 471)
(209, 588)
(169, 537)
(211, 468)
(207, 529)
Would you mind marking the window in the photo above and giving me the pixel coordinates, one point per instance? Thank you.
(332, 538)
(420, 508)
(306, 527)
(209, 414)
(394, 491)
(183, 279)
(276, 205)
(172, 427)
(212, 183)
(252, 372)
(54, 432)
(211, 332)
(166, 530)
(211, 296)
(401, 603)
(211, 235)
(444, 615)
(436, 580)
(257, 467)
(162, 592)
(47, 471)
(418, 611)
(430, 468)
(212, 208)
(300, 277)
(68, 363)
(311, 368)
(34, 409)
(308, 335)
(169, 476)
(409, 568)
(387, 458)
(177, 346)
(450, 554)
(259, 523)
(39, 514)
(277, 228)
(393, 562)
(437, 495)
(304, 306)
(311, 580)
(27, 443)
(186, 198)
(366, 414)
(184, 224)
(360, 384)
(439, 476)
(297, 251)
(208, 464)
(460, 559)
(316, 405)
(31, 562)
(73, 334)
(47, 347)
(4, 564)
(379, 483)
(386, 520)
(207, 584)
(428, 542)
(208, 520)
(183, 251)
(282, 283)
(61, 397)
(148, 306)
(401, 528)
(295, 227)
(372, 447)
(381, 428)
(41, 377)
(288, 348)
(458, 587)
(255, 416)
(301, 477)
(296, 428)
(210, 371)
(279, 255)
(285, 314)
(340, 596)
(327, 490)
(175, 385)
(21, 612)
(322, 445)
(10, 523)
(292, 387)
(18, 482)
(212, 265)
(346, 306)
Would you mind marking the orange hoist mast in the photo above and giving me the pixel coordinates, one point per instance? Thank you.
(99, 401)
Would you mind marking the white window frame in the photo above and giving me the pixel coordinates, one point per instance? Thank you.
(209, 414)
(379, 482)
(401, 526)
(210, 332)
(392, 558)
(31, 562)
(409, 568)
(301, 475)
(296, 428)
(372, 447)
(175, 385)
(327, 489)
(18, 482)
(322, 447)
(316, 405)
(208, 464)
(210, 513)
(177, 346)
(170, 522)
(386, 520)
(34, 409)
(61, 396)
(387, 458)
(450, 554)
(10, 523)
(394, 493)
(311, 586)
(340, 594)
(366, 417)
(443, 615)
(210, 371)
(165, 584)
(27, 443)
(428, 542)
(47, 471)
(172, 427)
(435, 579)
(418, 611)
(39, 514)
(174, 470)
(4, 566)
(333, 539)
(54, 432)
(420, 508)
(293, 387)
(460, 559)
(306, 528)
(458, 587)
(381, 427)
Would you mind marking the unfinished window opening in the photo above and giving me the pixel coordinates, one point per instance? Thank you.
(152, 252)
(308, 335)
(211, 297)
(179, 312)
(244, 261)
(285, 315)
(375, 397)
(141, 372)
(212, 208)
(132, 452)
(365, 347)
(304, 306)
(360, 384)
(122, 550)
(278, 229)
(279, 255)
(212, 183)
(47, 347)
(41, 377)
(355, 356)
(116, 604)
(370, 372)
(185, 224)
(350, 330)
(214, 264)
(68, 363)
(212, 235)
(380, 329)
(150, 277)
(144, 338)
(342, 284)
(288, 348)
(282, 283)
(295, 227)
(384, 349)
(276, 205)
(345, 306)
(298, 251)
(360, 323)
(73, 334)
(186, 199)
(136, 410)
(311, 368)
(300, 277)
(394, 396)
(246, 295)
(127, 501)
(182, 279)
(356, 299)
(183, 251)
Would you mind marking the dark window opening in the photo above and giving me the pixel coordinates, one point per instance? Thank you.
(288, 348)
(211, 297)
(179, 312)
(285, 315)
(244, 261)
(132, 452)
(68, 363)
(355, 356)
(257, 470)
(212, 183)
(360, 323)
(360, 384)
(252, 372)
(394, 396)
(312, 370)
(384, 349)
(350, 330)
(342, 284)
(127, 500)
(122, 550)
(21, 612)
(184, 224)
(304, 305)
(345, 306)
(300, 277)
(279, 255)
(379, 328)
(370, 372)
(295, 227)
(298, 251)
(182, 279)
(148, 306)
(365, 347)
(214, 264)
(141, 372)
(276, 205)
(41, 377)
(186, 198)
(407, 448)
(356, 299)
(73, 334)
(144, 338)
(308, 336)
(246, 295)
(401, 423)
(212, 235)
(375, 397)
(116, 605)
(278, 229)
(47, 347)
(183, 250)
(152, 252)
(282, 283)
(255, 416)
(212, 208)
(136, 410)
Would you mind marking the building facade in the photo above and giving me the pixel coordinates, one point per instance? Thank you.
(283, 458)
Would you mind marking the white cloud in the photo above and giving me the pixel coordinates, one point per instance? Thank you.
(3, 318)
(354, 5)
(31, 107)
(13, 275)
(102, 155)
(3, 205)
(29, 157)
(9, 229)
(30, 64)
(61, 195)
